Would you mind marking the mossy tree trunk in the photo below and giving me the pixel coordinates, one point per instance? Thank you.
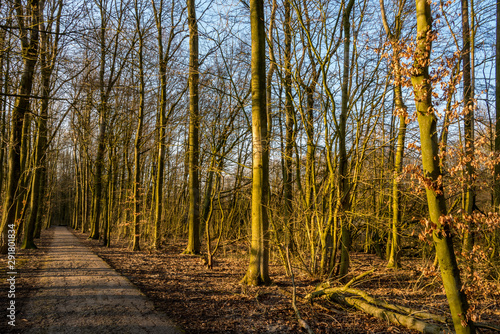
(194, 243)
(258, 268)
(442, 234)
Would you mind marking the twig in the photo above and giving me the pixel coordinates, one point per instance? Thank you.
(301, 321)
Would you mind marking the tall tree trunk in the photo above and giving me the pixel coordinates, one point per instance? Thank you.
(289, 125)
(29, 42)
(442, 233)
(343, 182)
(496, 194)
(163, 59)
(4, 72)
(194, 244)
(258, 268)
(48, 54)
(161, 134)
(108, 76)
(401, 112)
(138, 134)
(469, 199)
(101, 139)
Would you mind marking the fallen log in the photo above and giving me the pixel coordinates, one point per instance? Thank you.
(395, 318)
(398, 315)
(400, 309)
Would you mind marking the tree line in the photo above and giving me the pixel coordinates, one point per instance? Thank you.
(305, 129)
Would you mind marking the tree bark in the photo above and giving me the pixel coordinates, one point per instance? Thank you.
(30, 45)
(401, 112)
(258, 268)
(138, 134)
(194, 243)
(496, 194)
(48, 54)
(433, 178)
(469, 191)
(289, 129)
(343, 182)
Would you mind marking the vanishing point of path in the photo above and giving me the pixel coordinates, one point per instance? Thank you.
(79, 293)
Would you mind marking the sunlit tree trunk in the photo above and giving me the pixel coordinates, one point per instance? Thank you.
(138, 134)
(194, 243)
(258, 268)
(29, 43)
(401, 112)
(442, 233)
(289, 126)
(496, 194)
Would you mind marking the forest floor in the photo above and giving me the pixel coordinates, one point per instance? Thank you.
(201, 300)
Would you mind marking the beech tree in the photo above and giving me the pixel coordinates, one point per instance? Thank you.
(343, 182)
(468, 95)
(442, 234)
(48, 58)
(289, 127)
(258, 268)
(111, 66)
(194, 243)
(28, 18)
(401, 111)
(165, 55)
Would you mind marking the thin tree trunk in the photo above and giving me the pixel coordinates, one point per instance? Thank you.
(101, 140)
(496, 194)
(401, 112)
(469, 190)
(343, 182)
(138, 136)
(162, 117)
(4, 63)
(289, 129)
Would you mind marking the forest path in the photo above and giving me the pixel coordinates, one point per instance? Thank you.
(79, 293)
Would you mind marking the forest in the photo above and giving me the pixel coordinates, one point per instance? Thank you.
(308, 133)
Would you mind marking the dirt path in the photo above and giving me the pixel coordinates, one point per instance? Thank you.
(80, 293)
